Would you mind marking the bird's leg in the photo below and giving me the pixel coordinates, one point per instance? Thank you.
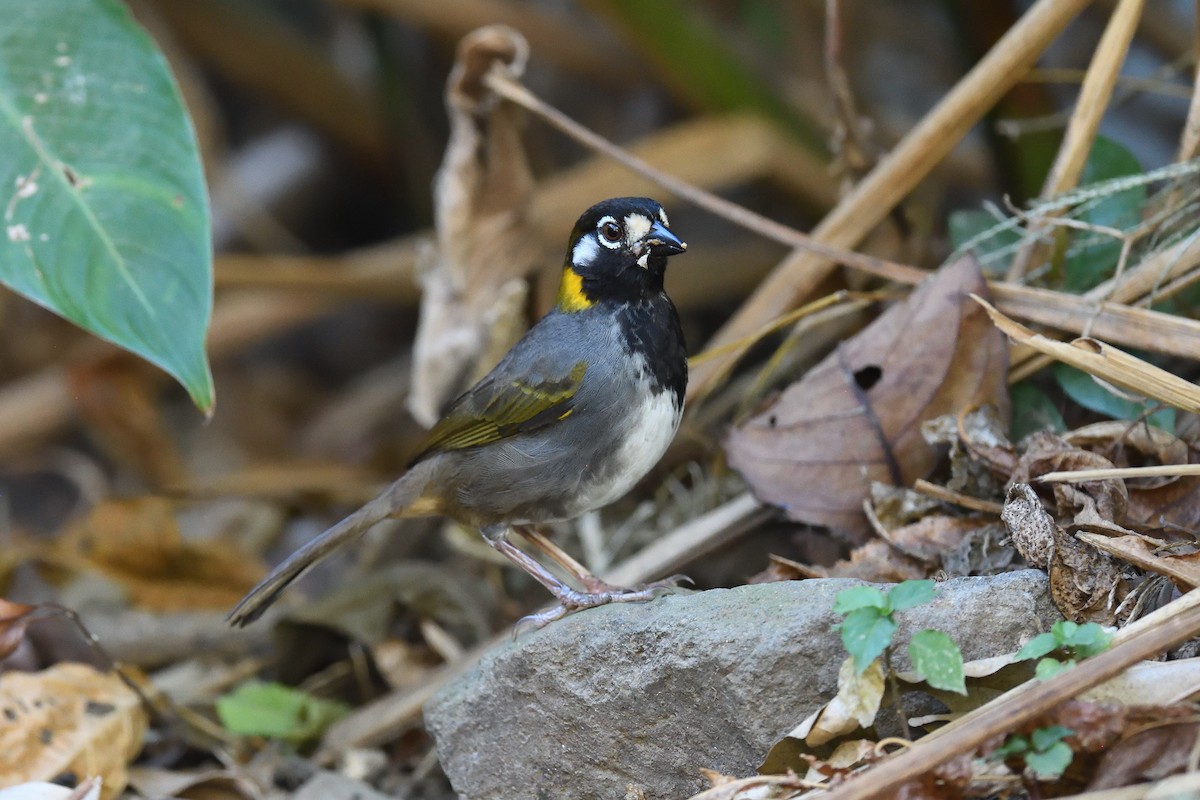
(569, 599)
(581, 573)
(561, 557)
(497, 537)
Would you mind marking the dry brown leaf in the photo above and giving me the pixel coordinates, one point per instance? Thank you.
(68, 718)
(979, 449)
(1085, 584)
(137, 544)
(1153, 502)
(1032, 529)
(1046, 452)
(1160, 748)
(910, 553)
(856, 417)
(472, 309)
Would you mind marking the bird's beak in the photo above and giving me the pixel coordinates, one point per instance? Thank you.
(662, 242)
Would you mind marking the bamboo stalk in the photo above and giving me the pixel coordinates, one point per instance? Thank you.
(895, 176)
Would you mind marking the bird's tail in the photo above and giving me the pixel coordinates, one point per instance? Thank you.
(402, 498)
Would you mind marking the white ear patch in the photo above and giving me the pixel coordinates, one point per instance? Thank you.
(636, 228)
(662, 215)
(585, 251)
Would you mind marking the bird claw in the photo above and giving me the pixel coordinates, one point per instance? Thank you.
(599, 593)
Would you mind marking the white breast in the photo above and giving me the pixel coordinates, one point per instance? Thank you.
(648, 430)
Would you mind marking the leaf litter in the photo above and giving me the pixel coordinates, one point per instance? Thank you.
(920, 394)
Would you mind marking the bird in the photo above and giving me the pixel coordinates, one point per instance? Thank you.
(571, 418)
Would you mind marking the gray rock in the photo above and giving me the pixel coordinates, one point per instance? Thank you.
(647, 694)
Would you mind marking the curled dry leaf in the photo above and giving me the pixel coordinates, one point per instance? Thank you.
(854, 707)
(910, 553)
(68, 718)
(1153, 502)
(856, 417)
(1085, 583)
(473, 278)
(137, 544)
(1101, 499)
(1032, 529)
(981, 457)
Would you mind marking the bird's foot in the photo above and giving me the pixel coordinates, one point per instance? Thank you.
(599, 593)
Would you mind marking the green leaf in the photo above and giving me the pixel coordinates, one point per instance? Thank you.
(866, 633)
(1015, 746)
(1032, 411)
(1063, 630)
(1052, 762)
(275, 711)
(910, 593)
(1039, 646)
(1090, 394)
(1087, 640)
(1093, 257)
(1047, 668)
(848, 600)
(992, 240)
(1044, 738)
(937, 658)
(106, 213)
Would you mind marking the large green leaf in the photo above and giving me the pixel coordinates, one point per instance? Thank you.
(1092, 257)
(104, 204)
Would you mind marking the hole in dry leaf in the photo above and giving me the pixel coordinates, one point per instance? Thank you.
(68, 779)
(868, 377)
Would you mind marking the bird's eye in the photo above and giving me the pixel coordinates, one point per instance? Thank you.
(610, 231)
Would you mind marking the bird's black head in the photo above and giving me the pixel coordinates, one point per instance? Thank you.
(618, 251)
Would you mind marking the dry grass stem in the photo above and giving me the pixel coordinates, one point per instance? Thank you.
(908, 163)
(1094, 96)
(1156, 471)
(1106, 363)
(1129, 326)
(956, 498)
(510, 89)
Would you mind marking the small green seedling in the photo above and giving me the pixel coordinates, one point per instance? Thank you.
(275, 711)
(1045, 753)
(1072, 639)
(869, 625)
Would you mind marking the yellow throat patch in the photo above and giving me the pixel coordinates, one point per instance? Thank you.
(571, 296)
